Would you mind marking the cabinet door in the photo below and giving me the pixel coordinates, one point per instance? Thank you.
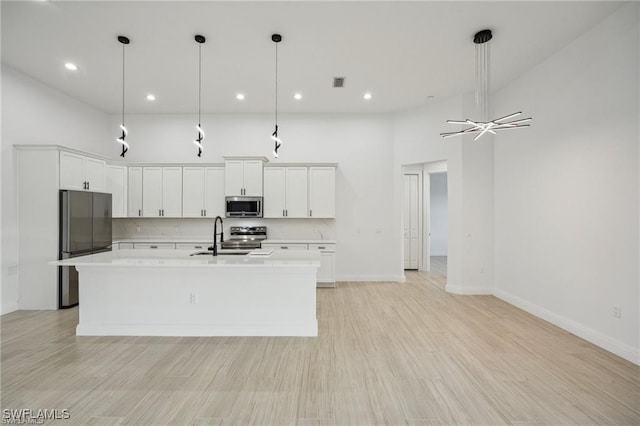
(95, 173)
(172, 191)
(192, 192)
(151, 191)
(326, 272)
(296, 192)
(134, 192)
(234, 177)
(72, 171)
(117, 187)
(214, 192)
(274, 192)
(253, 178)
(322, 192)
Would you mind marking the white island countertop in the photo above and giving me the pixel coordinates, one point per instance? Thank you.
(183, 258)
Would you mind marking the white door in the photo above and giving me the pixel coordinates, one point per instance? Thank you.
(192, 192)
(322, 192)
(134, 192)
(72, 171)
(171, 191)
(296, 192)
(214, 192)
(95, 173)
(151, 191)
(274, 192)
(234, 177)
(117, 187)
(411, 212)
(253, 178)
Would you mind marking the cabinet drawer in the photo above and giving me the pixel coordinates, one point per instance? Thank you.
(125, 245)
(165, 246)
(295, 246)
(193, 246)
(330, 248)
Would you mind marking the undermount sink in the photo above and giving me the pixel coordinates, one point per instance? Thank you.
(220, 253)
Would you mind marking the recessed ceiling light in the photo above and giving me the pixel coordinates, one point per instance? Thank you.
(240, 97)
(367, 96)
(71, 67)
(298, 96)
(429, 98)
(151, 97)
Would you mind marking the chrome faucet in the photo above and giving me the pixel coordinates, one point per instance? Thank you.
(215, 234)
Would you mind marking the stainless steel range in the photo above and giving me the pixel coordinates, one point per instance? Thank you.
(245, 238)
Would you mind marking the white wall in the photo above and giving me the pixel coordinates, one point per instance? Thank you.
(362, 145)
(35, 114)
(566, 190)
(438, 216)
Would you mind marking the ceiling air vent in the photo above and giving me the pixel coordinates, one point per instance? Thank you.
(338, 81)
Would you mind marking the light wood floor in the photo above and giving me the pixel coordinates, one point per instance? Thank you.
(388, 353)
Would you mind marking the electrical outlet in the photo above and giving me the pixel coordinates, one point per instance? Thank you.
(193, 298)
(617, 311)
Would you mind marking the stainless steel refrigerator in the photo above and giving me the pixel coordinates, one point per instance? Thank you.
(85, 228)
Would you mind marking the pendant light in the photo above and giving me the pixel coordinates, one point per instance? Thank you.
(121, 140)
(198, 141)
(483, 126)
(276, 38)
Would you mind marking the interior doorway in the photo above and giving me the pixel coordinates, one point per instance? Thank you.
(425, 217)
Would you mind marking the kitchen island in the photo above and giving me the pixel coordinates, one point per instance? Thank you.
(172, 293)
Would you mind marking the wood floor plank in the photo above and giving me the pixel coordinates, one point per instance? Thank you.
(387, 353)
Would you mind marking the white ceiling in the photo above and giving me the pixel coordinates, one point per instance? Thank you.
(401, 52)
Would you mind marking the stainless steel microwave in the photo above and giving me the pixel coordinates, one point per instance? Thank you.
(243, 206)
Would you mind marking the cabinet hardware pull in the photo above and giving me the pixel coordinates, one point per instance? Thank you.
(153, 246)
(284, 248)
(139, 212)
(282, 212)
(205, 212)
(321, 248)
(162, 212)
(197, 247)
(88, 185)
(310, 212)
(159, 212)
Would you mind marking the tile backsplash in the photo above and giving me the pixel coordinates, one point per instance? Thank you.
(310, 229)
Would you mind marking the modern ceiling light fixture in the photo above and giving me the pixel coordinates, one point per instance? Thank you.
(121, 140)
(198, 141)
(483, 126)
(276, 38)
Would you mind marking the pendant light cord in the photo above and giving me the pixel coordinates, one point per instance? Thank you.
(123, 84)
(199, 80)
(276, 84)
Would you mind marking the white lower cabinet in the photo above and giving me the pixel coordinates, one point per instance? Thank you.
(192, 246)
(165, 246)
(327, 270)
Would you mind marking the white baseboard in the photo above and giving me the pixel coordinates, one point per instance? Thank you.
(612, 345)
(357, 277)
(309, 330)
(438, 253)
(468, 291)
(7, 308)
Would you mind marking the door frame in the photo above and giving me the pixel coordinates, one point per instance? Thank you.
(428, 170)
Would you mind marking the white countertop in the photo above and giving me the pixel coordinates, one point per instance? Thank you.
(289, 241)
(182, 258)
(177, 240)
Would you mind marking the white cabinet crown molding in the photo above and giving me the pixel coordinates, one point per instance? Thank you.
(301, 165)
(22, 147)
(245, 158)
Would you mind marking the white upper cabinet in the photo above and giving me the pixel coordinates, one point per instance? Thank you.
(162, 191)
(82, 173)
(243, 177)
(274, 192)
(134, 192)
(203, 191)
(214, 204)
(193, 192)
(285, 192)
(322, 192)
(117, 186)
